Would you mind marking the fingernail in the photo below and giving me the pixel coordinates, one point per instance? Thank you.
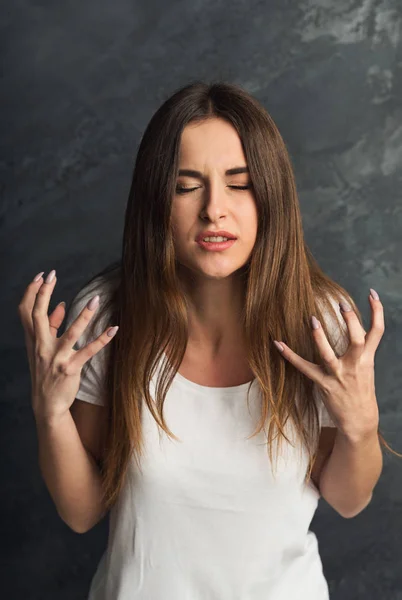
(112, 331)
(374, 294)
(93, 303)
(61, 303)
(50, 277)
(38, 276)
(345, 306)
(315, 322)
(279, 346)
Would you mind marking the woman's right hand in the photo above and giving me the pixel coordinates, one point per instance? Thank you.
(54, 365)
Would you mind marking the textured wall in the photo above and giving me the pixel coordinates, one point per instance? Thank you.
(81, 83)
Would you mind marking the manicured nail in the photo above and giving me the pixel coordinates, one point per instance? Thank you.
(50, 277)
(374, 294)
(93, 303)
(112, 331)
(279, 346)
(345, 306)
(315, 322)
(38, 276)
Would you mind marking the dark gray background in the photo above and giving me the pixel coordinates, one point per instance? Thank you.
(81, 82)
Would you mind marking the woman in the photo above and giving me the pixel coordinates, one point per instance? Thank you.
(201, 506)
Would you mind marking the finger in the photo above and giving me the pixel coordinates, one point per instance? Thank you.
(25, 308)
(84, 354)
(25, 313)
(56, 318)
(40, 319)
(356, 331)
(324, 347)
(314, 372)
(26, 305)
(375, 334)
(73, 333)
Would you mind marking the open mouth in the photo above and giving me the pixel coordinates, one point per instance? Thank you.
(216, 245)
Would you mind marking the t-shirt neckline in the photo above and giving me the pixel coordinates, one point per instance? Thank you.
(205, 389)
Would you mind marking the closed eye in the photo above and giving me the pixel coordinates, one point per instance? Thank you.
(184, 190)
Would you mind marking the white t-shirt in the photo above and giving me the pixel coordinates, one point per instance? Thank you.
(206, 520)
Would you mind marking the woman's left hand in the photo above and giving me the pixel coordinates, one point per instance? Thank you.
(348, 381)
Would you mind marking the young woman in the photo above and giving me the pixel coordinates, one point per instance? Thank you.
(243, 339)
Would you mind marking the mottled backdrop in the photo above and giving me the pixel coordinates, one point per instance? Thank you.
(80, 83)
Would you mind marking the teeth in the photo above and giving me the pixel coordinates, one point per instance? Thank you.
(215, 239)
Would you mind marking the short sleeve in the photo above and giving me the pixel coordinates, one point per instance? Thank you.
(92, 388)
(336, 329)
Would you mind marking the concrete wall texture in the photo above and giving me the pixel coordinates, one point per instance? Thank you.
(80, 83)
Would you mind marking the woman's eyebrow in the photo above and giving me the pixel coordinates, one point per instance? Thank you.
(199, 175)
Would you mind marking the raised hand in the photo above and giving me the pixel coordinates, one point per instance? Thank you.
(347, 381)
(54, 365)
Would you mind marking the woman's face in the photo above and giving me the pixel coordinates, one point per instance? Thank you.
(211, 201)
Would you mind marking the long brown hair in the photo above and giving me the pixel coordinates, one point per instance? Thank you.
(283, 282)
